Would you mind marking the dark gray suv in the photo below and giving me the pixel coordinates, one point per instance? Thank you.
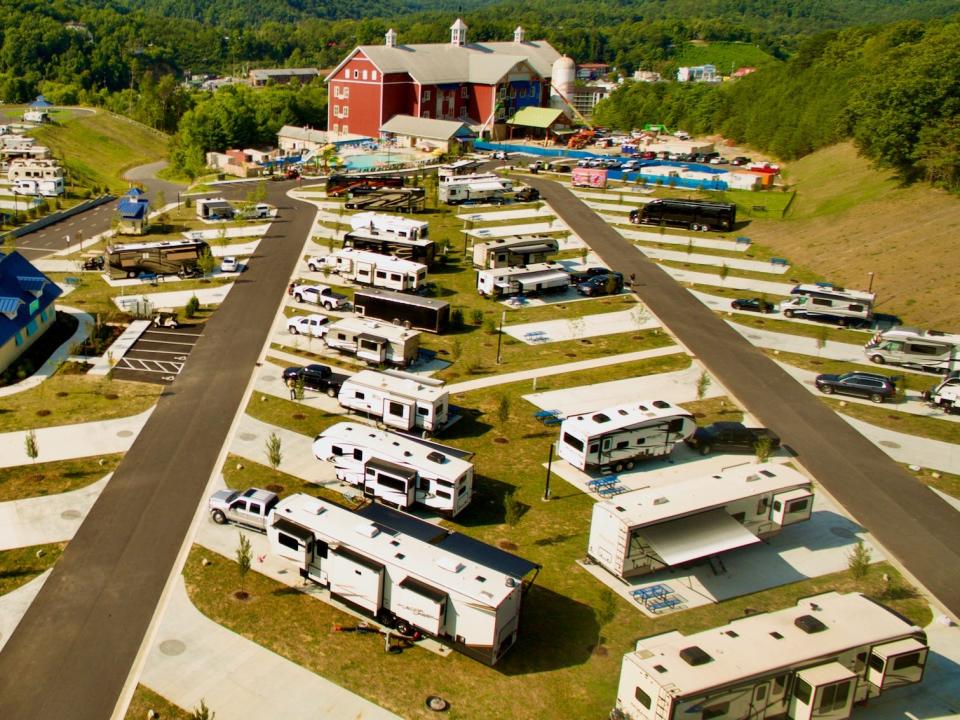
(872, 386)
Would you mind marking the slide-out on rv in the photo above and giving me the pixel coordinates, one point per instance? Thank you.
(514, 251)
(397, 399)
(398, 469)
(370, 268)
(533, 279)
(406, 573)
(374, 342)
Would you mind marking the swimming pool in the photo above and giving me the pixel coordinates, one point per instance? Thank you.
(368, 161)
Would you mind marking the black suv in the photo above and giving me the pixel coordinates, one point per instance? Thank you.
(873, 386)
(583, 276)
(730, 436)
(609, 284)
(527, 194)
(315, 377)
(753, 305)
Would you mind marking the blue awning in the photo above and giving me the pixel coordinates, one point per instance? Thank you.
(9, 305)
(32, 283)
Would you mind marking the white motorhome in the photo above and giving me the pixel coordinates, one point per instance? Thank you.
(925, 349)
(819, 301)
(398, 469)
(406, 573)
(813, 661)
(370, 268)
(382, 224)
(34, 169)
(514, 251)
(616, 438)
(455, 192)
(664, 526)
(399, 400)
(530, 280)
(374, 342)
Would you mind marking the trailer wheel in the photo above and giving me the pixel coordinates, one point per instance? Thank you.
(618, 467)
(842, 322)
(788, 313)
(694, 227)
(878, 359)
(218, 517)
(876, 397)
(403, 628)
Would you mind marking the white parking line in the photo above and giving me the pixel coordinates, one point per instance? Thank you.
(164, 367)
(165, 342)
(159, 352)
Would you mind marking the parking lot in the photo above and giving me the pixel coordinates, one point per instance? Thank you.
(158, 355)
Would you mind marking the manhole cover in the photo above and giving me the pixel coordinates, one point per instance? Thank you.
(172, 647)
(843, 532)
(247, 437)
(71, 514)
(889, 444)
(124, 433)
(269, 378)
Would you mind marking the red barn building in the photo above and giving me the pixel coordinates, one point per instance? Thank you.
(478, 83)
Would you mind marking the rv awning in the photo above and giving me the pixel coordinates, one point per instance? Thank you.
(423, 590)
(530, 249)
(291, 528)
(376, 339)
(401, 471)
(697, 536)
(402, 522)
(485, 186)
(487, 555)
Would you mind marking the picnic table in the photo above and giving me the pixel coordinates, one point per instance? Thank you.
(548, 417)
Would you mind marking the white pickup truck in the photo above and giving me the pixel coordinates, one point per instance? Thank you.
(946, 395)
(313, 325)
(251, 508)
(319, 295)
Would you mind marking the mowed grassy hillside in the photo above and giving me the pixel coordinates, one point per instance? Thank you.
(727, 56)
(849, 219)
(98, 147)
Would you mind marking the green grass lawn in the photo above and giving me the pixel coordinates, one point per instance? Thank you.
(943, 481)
(727, 56)
(291, 415)
(795, 275)
(51, 478)
(242, 473)
(145, 699)
(69, 399)
(821, 330)
(21, 565)
(884, 416)
(732, 293)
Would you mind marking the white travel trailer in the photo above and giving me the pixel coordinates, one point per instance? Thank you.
(925, 349)
(819, 301)
(530, 280)
(400, 400)
(47, 188)
(374, 342)
(398, 469)
(406, 573)
(515, 251)
(615, 438)
(382, 224)
(460, 190)
(370, 268)
(658, 527)
(457, 168)
(813, 661)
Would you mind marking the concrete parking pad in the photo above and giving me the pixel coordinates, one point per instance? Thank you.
(46, 519)
(176, 298)
(548, 331)
(749, 285)
(733, 263)
(14, 604)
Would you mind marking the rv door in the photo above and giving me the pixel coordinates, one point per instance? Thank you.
(896, 664)
(398, 414)
(791, 507)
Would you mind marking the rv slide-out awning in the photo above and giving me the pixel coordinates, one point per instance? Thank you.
(530, 249)
(696, 536)
(485, 186)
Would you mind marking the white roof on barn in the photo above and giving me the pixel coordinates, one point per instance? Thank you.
(428, 128)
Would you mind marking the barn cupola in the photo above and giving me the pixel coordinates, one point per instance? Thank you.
(458, 33)
(391, 38)
(518, 35)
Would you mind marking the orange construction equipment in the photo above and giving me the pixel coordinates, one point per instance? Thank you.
(580, 139)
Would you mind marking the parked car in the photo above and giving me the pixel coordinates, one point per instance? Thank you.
(582, 276)
(312, 325)
(501, 155)
(753, 305)
(609, 284)
(94, 263)
(648, 155)
(229, 264)
(741, 160)
(166, 318)
(730, 436)
(873, 386)
(719, 161)
(315, 377)
(527, 194)
(250, 509)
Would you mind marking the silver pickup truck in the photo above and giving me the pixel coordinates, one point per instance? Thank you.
(251, 508)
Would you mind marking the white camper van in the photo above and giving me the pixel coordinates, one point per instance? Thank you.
(457, 193)
(397, 469)
(813, 661)
(370, 268)
(406, 573)
(616, 438)
(399, 400)
(529, 280)
(653, 528)
(374, 342)
(924, 349)
(826, 301)
(383, 224)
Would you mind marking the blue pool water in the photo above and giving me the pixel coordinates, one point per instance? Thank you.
(372, 160)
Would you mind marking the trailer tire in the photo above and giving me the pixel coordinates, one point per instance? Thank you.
(788, 313)
(218, 517)
(630, 465)
(878, 359)
(694, 227)
(842, 322)
(618, 467)
(403, 627)
(876, 397)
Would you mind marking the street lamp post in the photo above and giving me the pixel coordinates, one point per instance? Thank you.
(503, 317)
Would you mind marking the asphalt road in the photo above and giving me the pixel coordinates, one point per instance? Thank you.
(52, 238)
(72, 652)
(907, 518)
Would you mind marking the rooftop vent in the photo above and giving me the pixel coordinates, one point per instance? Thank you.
(369, 531)
(768, 473)
(659, 668)
(662, 404)
(731, 633)
(436, 457)
(510, 582)
(449, 564)
(661, 501)
(776, 636)
(695, 656)
(809, 624)
(601, 418)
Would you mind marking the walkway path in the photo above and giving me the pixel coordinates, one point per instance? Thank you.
(46, 519)
(63, 442)
(734, 263)
(296, 449)
(14, 604)
(910, 449)
(498, 231)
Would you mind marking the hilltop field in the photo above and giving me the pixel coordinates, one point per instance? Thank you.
(849, 219)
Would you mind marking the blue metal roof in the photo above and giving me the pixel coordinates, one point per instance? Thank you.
(134, 192)
(32, 283)
(20, 282)
(133, 209)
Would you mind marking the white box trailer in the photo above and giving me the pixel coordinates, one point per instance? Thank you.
(214, 209)
(924, 349)
(514, 251)
(370, 268)
(530, 280)
(397, 469)
(399, 400)
(653, 528)
(406, 573)
(827, 301)
(474, 192)
(390, 225)
(616, 438)
(374, 342)
(813, 661)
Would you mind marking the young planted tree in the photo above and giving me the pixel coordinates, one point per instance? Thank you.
(511, 509)
(724, 271)
(202, 712)
(206, 262)
(244, 557)
(858, 561)
(503, 409)
(823, 332)
(31, 447)
(274, 451)
(703, 384)
(763, 448)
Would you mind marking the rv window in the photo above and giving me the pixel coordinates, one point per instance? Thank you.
(797, 505)
(876, 663)
(444, 494)
(821, 301)
(642, 697)
(392, 483)
(381, 275)
(907, 661)
(575, 443)
(462, 490)
(288, 541)
(676, 425)
(856, 308)
(321, 549)
(641, 441)
(359, 395)
(395, 408)
(716, 711)
(779, 684)
(336, 450)
(423, 410)
(623, 445)
(924, 349)
(395, 277)
(834, 697)
(776, 506)
(357, 454)
(594, 447)
(802, 691)
(762, 505)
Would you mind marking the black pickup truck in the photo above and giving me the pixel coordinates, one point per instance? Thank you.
(730, 436)
(315, 377)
